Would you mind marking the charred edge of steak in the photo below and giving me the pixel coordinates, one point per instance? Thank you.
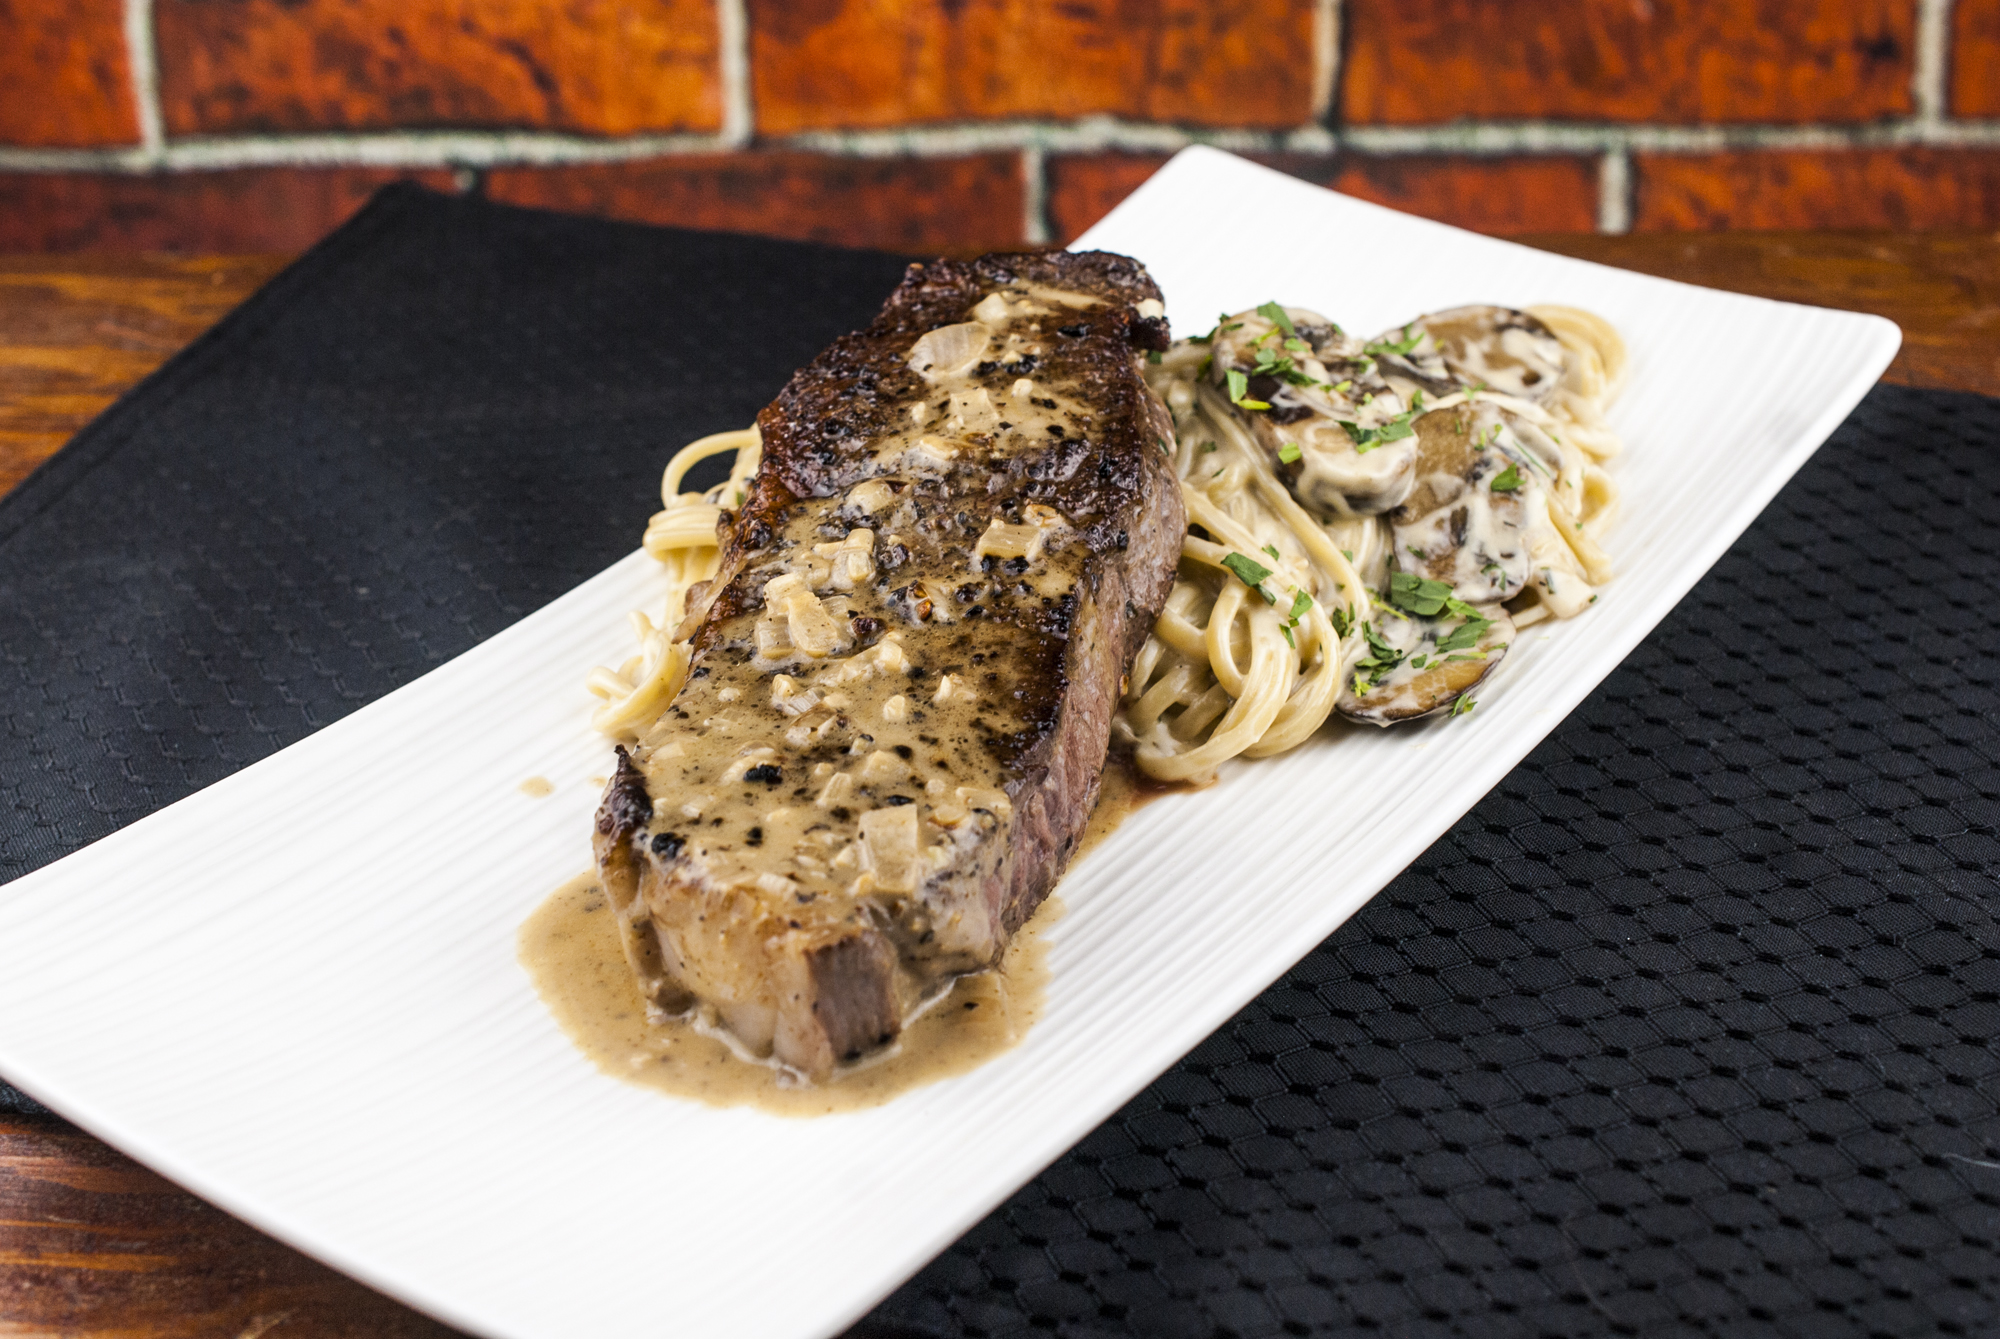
(627, 808)
(622, 817)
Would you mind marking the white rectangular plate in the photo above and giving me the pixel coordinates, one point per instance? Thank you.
(296, 992)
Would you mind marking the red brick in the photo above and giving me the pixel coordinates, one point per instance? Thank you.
(825, 64)
(1083, 189)
(1912, 189)
(601, 67)
(1413, 62)
(897, 204)
(63, 78)
(246, 210)
(1975, 58)
(1495, 195)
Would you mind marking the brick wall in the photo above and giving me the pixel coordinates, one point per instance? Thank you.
(959, 124)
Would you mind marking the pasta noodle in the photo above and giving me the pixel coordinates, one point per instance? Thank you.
(1238, 664)
(682, 536)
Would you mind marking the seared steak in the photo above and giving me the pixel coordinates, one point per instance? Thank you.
(903, 676)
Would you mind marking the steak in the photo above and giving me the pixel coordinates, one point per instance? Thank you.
(902, 677)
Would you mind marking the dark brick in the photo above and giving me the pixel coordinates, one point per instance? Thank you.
(276, 209)
(588, 66)
(1975, 58)
(1412, 62)
(969, 204)
(63, 76)
(1860, 188)
(825, 64)
(1495, 195)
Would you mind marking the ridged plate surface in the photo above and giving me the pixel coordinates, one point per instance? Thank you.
(226, 988)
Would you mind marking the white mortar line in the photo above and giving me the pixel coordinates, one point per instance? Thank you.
(739, 121)
(485, 149)
(1326, 57)
(1929, 75)
(1614, 192)
(143, 61)
(1034, 195)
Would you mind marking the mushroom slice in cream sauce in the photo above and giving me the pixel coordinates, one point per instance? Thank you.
(1418, 666)
(1505, 351)
(1315, 399)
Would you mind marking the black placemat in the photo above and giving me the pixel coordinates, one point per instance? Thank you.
(1688, 1028)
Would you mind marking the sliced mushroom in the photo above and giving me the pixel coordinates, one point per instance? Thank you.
(1483, 518)
(1420, 666)
(1506, 350)
(1335, 431)
(1466, 521)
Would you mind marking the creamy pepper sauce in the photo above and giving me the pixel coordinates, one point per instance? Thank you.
(571, 950)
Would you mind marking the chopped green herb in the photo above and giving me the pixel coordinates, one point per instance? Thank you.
(1398, 347)
(1290, 452)
(1297, 345)
(1238, 384)
(1251, 572)
(1342, 621)
(1272, 549)
(1418, 595)
(1300, 603)
(1153, 356)
(1507, 480)
(1463, 637)
(1275, 314)
(1206, 447)
(1382, 659)
(1347, 554)
(1463, 707)
(1367, 439)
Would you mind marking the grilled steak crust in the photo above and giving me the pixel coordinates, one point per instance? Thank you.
(903, 675)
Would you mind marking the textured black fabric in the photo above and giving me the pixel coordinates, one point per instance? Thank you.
(1688, 1028)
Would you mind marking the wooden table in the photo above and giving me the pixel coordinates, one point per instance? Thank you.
(91, 1244)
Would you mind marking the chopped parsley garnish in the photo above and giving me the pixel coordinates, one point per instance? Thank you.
(1418, 595)
(1300, 603)
(1290, 452)
(1275, 314)
(1153, 356)
(1464, 637)
(1340, 619)
(1206, 447)
(1507, 480)
(1252, 573)
(1238, 384)
(1398, 347)
(1382, 659)
(1395, 430)
(1222, 327)
(1463, 707)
